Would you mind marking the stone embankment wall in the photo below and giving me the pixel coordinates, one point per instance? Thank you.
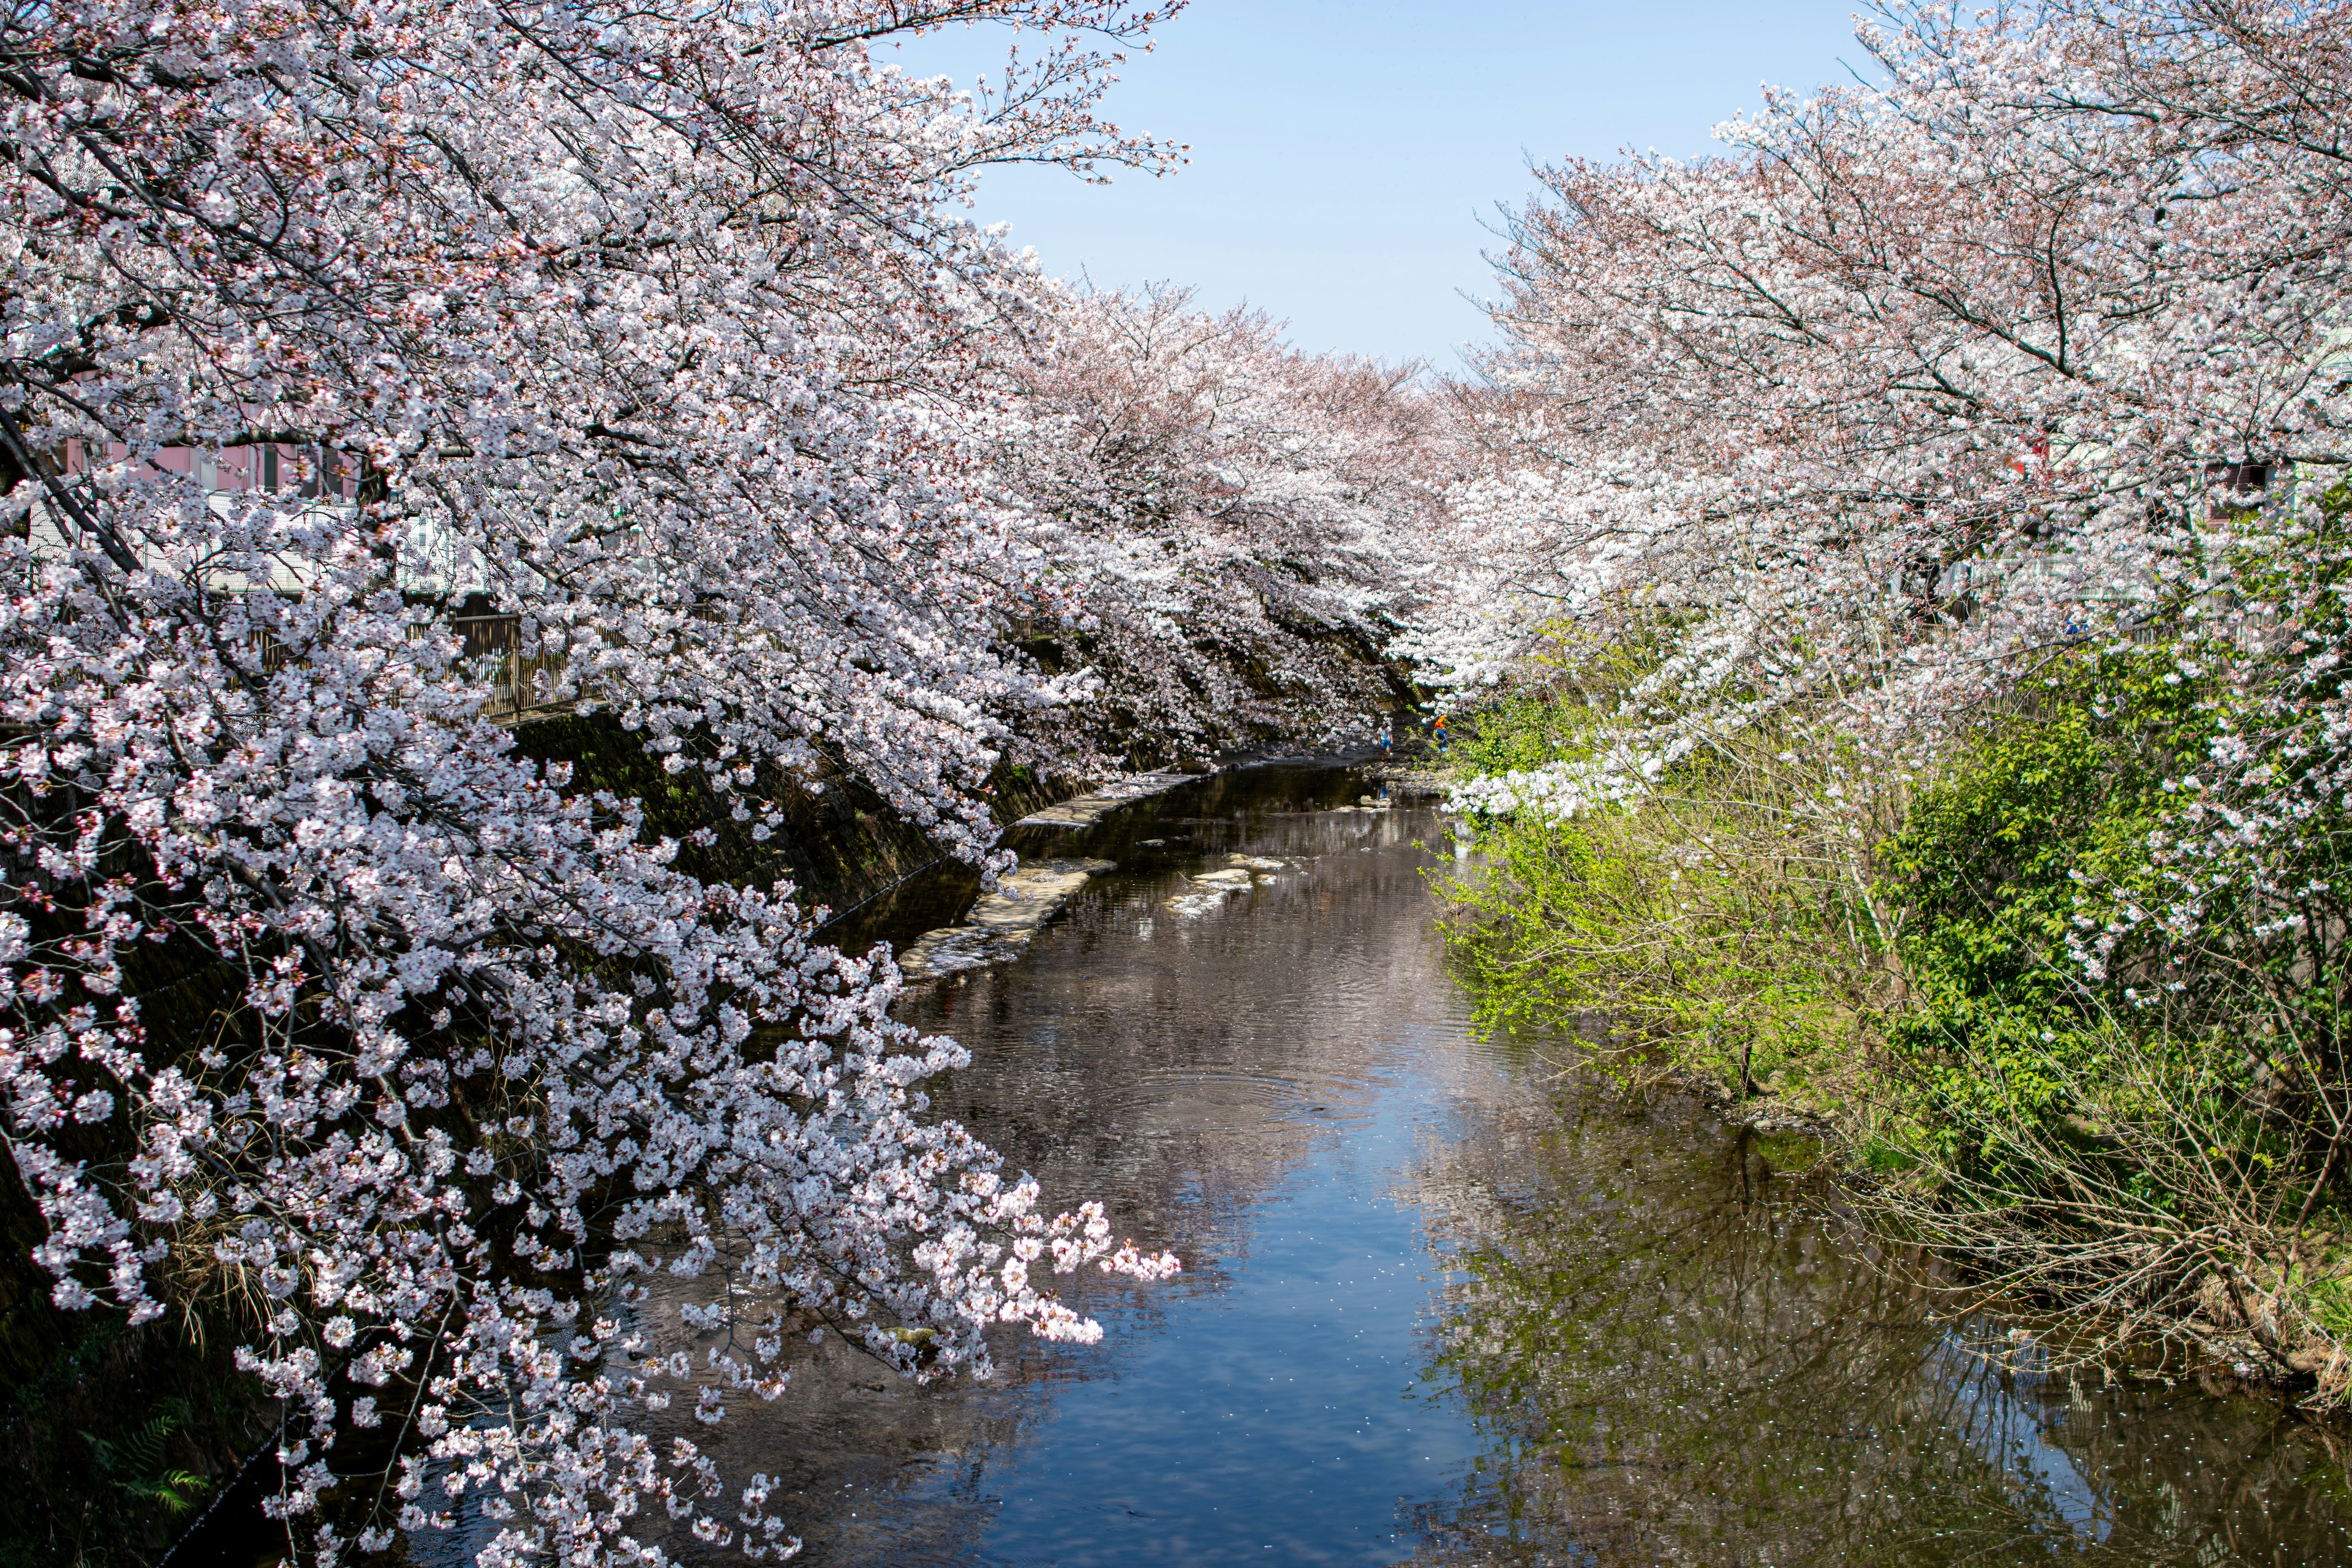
(838, 846)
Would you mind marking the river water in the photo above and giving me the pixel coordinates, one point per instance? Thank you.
(1446, 1300)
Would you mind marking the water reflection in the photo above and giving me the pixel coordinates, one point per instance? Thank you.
(1672, 1357)
(1442, 1303)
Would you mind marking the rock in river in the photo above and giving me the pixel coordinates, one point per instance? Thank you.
(1000, 924)
(1198, 903)
(1088, 809)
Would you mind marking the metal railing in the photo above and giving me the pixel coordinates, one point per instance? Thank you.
(490, 649)
(520, 682)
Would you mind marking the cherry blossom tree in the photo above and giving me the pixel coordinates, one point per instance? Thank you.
(2026, 360)
(1231, 530)
(1920, 380)
(320, 1005)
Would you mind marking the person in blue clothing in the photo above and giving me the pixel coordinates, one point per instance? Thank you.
(1437, 733)
(1388, 737)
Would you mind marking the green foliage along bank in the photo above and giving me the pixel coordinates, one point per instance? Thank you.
(2056, 1031)
(1724, 928)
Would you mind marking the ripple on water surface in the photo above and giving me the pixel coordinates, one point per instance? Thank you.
(1443, 1305)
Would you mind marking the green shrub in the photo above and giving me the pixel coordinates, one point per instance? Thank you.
(1716, 926)
(1992, 872)
(1522, 731)
(2146, 1128)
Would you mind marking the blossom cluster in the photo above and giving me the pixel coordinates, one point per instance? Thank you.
(1558, 790)
(321, 1004)
(1234, 531)
(2031, 346)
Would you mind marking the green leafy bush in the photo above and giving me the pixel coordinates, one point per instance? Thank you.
(1993, 874)
(2120, 1068)
(1718, 926)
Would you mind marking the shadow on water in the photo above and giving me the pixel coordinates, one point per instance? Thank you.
(1444, 1303)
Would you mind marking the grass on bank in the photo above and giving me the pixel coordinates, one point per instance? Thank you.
(1717, 928)
(2159, 1147)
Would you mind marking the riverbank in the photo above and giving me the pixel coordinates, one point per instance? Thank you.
(1904, 975)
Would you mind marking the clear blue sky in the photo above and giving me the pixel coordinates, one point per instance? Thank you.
(1344, 154)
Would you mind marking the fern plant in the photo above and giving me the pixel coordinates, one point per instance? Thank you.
(138, 1465)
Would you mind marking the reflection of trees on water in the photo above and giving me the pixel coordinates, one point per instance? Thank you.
(1671, 1360)
(1180, 1078)
(1187, 1074)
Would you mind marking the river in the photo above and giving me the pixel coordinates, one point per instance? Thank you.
(1445, 1300)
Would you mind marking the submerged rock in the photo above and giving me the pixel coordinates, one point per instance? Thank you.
(955, 948)
(1000, 924)
(1198, 903)
(1413, 780)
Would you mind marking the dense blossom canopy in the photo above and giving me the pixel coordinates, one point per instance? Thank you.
(2036, 344)
(647, 328)
(1239, 528)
